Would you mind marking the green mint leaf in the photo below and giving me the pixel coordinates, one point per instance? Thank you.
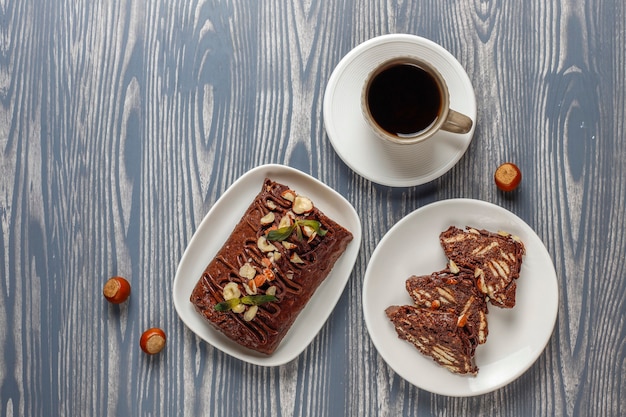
(227, 305)
(313, 224)
(257, 300)
(278, 235)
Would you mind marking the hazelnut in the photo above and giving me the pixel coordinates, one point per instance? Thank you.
(247, 271)
(152, 341)
(268, 218)
(289, 245)
(309, 232)
(507, 176)
(250, 287)
(288, 195)
(264, 245)
(250, 313)
(116, 290)
(285, 221)
(231, 290)
(302, 205)
(296, 259)
(239, 308)
(269, 274)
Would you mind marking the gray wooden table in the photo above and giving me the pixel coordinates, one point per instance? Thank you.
(122, 122)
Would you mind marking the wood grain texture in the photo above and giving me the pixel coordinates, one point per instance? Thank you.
(122, 123)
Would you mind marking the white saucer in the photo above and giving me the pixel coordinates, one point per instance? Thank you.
(349, 134)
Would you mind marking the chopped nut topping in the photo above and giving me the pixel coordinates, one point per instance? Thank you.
(250, 313)
(268, 218)
(247, 271)
(230, 291)
(248, 288)
(309, 232)
(289, 245)
(258, 281)
(264, 245)
(253, 287)
(296, 259)
(270, 205)
(289, 195)
(269, 274)
(285, 221)
(274, 257)
(302, 205)
(239, 308)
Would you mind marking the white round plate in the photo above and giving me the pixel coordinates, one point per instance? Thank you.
(516, 337)
(352, 139)
(217, 226)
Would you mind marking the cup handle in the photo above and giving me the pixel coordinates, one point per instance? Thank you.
(457, 122)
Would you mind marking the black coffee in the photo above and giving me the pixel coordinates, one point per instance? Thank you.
(404, 99)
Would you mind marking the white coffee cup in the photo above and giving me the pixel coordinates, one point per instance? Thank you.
(405, 101)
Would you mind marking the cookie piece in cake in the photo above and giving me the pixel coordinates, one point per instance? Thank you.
(269, 267)
(495, 258)
(456, 292)
(435, 333)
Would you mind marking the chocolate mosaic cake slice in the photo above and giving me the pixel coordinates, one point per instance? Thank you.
(495, 258)
(435, 333)
(269, 267)
(453, 291)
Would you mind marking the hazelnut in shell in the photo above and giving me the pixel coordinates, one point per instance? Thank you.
(116, 290)
(152, 341)
(507, 176)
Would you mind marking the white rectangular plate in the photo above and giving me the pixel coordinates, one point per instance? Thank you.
(215, 229)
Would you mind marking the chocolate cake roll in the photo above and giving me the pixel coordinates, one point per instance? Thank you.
(435, 333)
(275, 258)
(495, 258)
(455, 292)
